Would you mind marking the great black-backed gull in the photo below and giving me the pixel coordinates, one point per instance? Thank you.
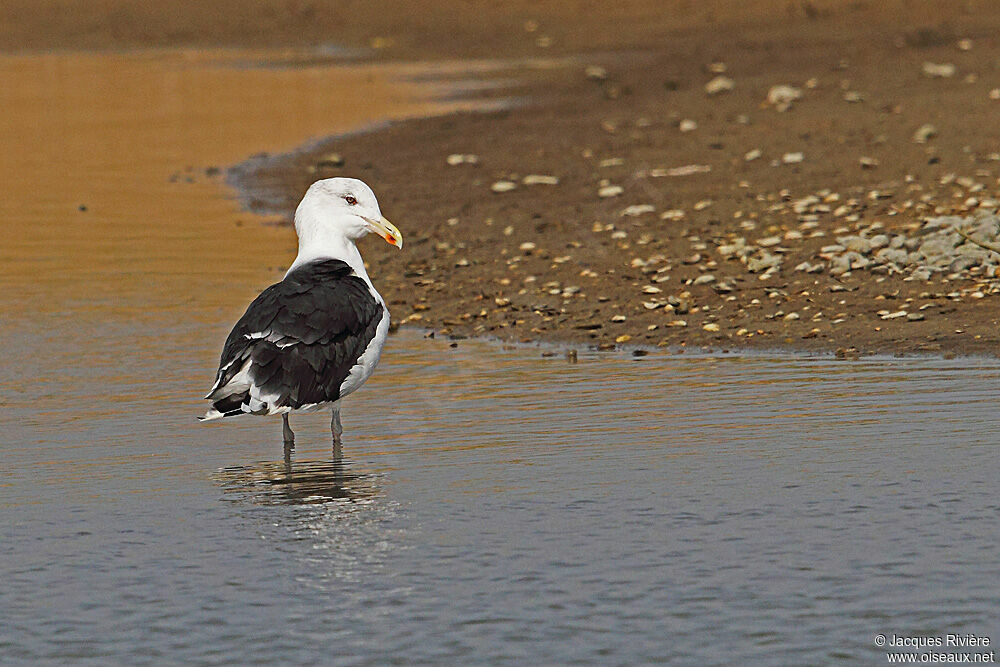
(316, 336)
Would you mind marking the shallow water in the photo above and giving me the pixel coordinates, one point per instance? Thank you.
(494, 506)
(500, 507)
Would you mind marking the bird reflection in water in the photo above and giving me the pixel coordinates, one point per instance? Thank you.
(308, 482)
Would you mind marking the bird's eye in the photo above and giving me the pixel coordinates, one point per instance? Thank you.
(350, 199)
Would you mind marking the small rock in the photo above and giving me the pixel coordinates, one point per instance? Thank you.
(856, 243)
(763, 262)
(752, 155)
(638, 209)
(915, 317)
(894, 316)
(618, 318)
(938, 70)
(711, 326)
(792, 158)
(687, 125)
(610, 191)
(704, 279)
(537, 179)
(867, 162)
(462, 158)
(719, 84)
(331, 160)
(924, 133)
(527, 246)
(781, 97)
(624, 338)
(686, 170)
(503, 186)
(893, 255)
(596, 73)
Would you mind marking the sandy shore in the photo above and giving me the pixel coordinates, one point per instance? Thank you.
(769, 176)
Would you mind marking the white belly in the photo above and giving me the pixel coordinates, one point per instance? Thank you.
(362, 370)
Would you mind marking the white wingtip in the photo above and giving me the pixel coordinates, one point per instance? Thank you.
(211, 415)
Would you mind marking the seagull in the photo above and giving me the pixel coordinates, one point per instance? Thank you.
(310, 340)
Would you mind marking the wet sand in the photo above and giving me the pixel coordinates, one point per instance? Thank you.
(561, 262)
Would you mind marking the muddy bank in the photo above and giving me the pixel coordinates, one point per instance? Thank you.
(703, 175)
(764, 189)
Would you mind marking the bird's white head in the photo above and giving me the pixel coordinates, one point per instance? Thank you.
(335, 213)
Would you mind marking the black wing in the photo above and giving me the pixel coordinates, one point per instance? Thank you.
(301, 336)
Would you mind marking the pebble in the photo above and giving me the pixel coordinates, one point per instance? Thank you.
(596, 73)
(806, 267)
(618, 318)
(711, 326)
(856, 244)
(781, 97)
(938, 70)
(687, 125)
(763, 262)
(752, 155)
(867, 162)
(704, 279)
(538, 179)
(331, 160)
(638, 209)
(610, 191)
(719, 84)
(924, 133)
(686, 170)
(792, 158)
(503, 186)
(462, 158)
